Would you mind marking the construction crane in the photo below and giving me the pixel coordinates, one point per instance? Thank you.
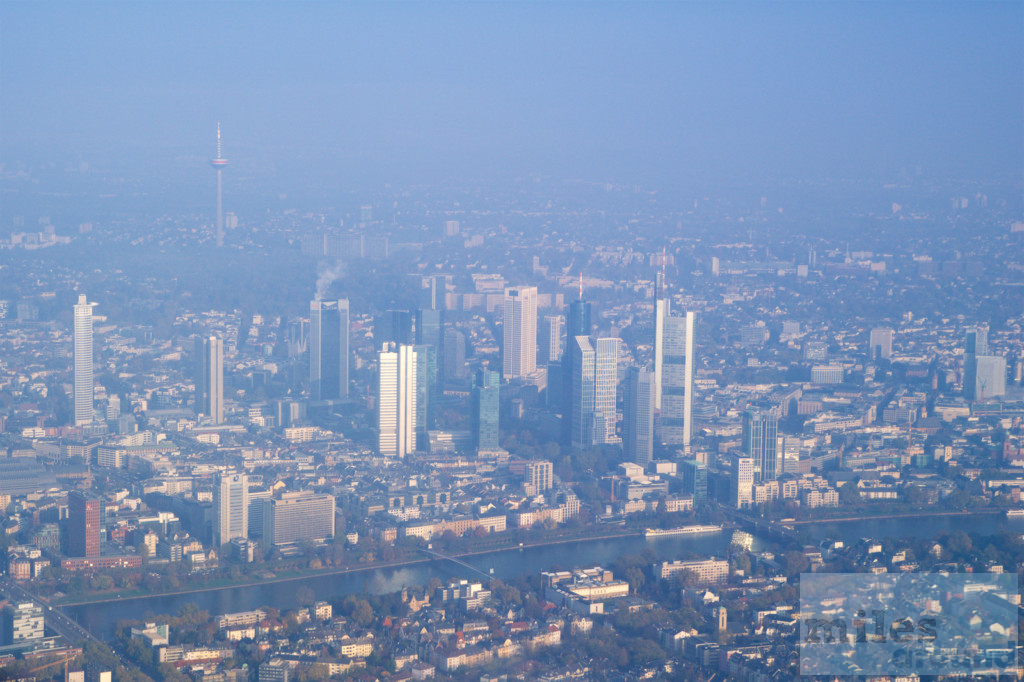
(68, 657)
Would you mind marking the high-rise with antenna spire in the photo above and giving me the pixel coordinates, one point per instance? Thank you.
(218, 164)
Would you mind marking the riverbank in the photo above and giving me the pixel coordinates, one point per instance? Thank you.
(345, 570)
(899, 515)
(505, 563)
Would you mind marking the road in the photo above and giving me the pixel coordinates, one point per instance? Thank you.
(55, 619)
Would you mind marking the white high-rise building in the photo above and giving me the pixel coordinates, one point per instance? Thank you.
(396, 400)
(83, 362)
(519, 356)
(677, 380)
(230, 507)
(595, 380)
(743, 481)
(209, 358)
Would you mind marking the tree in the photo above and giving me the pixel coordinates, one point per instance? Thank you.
(959, 544)
(635, 577)
(795, 563)
(849, 494)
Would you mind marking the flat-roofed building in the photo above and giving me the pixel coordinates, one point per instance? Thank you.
(298, 516)
(22, 623)
(704, 572)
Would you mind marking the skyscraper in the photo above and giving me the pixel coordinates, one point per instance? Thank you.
(742, 481)
(425, 357)
(328, 349)
(984, 374)
(880, 344)
(595, 380)
(209, 359)
(661, 311)
(677, 380)
(454, 365)
(84, 526)
(638, 420)
(578, 323)
(83, 362)
(430, 335)
(230, 507)
(393, 326)
(486, 402)
(695, 480)
(977, 341)
(396, 400)
(550, 339)
(519, 355)
(219, 164)
(987, 378)
(760, 443)
(429, 328)
(438, 292)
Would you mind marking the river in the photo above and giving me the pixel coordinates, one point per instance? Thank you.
(100, 618)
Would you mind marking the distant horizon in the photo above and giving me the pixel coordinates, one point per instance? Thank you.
(316, 98)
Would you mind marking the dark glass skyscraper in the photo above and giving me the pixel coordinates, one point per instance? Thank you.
(638, 420)
(760, 442)
(430, 342)
(486, 402)
(695, 480)
(393, 326)
(578, 320)
(426, 376)
(577, 323)
(328, 349)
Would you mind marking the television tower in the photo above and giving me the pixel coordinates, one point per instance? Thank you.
(219, 163)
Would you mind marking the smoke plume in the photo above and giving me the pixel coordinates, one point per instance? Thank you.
(326, 275)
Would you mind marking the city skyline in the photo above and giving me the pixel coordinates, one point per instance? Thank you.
(549, 340)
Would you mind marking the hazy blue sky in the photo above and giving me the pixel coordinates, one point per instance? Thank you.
(649, 92)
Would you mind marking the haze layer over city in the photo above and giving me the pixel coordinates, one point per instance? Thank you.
(494, 341)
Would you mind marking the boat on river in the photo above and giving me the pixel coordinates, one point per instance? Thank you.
(684, 530)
